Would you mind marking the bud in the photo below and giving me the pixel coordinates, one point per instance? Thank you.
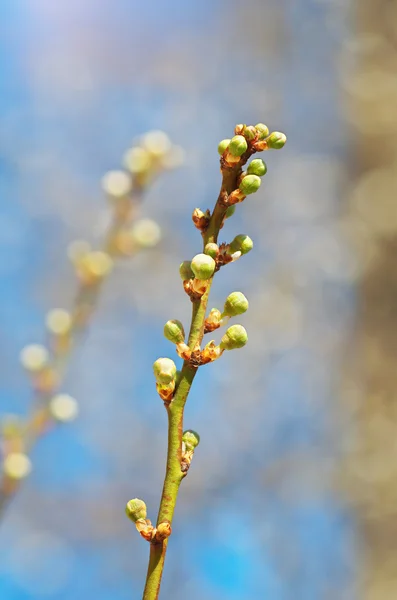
(94, 266)
(222, 146)
(250, 184)
(191, 439)
(185, 270)
(156, 142)
(249, 133)
(257, 167)
(213, 321)
(235, 304)
(262, 130)
(235, 337)
(174, 332)
(136, 509)
(212, 250)
(238, 145)
(34, 357)
(163, 531)
(63, 408)
(241, 243)
(276, 140)
(146, 233)
(58, 321)
(164, 370)
(117, 184)
(201, 219)
(137, 160)
(230, 211)
(238, 130)
(77, 249)
(203, 266)
(17, 465)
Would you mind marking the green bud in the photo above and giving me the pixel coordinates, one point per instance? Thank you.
(222, 146)
(238, 145)
(212, 250)
(235, 304)
(164, 370)
(136, 509)
(203, 266)
(263, 130)
(276, 140)
(241, 243)
(249, 132)
(185, 270)
(235, 337)
(191, 439)
(250, 184)
(257, 167)
(174, 332)
(230, 211)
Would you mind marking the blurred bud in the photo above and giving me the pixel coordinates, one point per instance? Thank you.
(146, 233)
(230, 211)
(164, 370)
(191, 439)
(11, 426)
(137, 160)
(58, 321)
(235, 304)
(78, 249)
(203, 266)
(223, 145)
(185, 270)
(238, 145)
(116, 184)
(136, 509)
(63, 408)
(17, 465)
(241, 243)
(94, 266)
(257, 167)
(212, 250)
(250, 184)
(276, 140)
(156, 142)
(235, 337)
(34, 357)
(174, 332)
(262, 130)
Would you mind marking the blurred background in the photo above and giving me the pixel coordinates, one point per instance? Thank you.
(292, 493)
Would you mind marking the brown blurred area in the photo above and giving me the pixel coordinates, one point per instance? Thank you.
(369, 394)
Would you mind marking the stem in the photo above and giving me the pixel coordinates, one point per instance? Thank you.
(175, 409)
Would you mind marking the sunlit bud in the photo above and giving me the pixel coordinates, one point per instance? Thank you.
(78, 249)
(94, 266)
(63, 408)
(136, 509)
(238, 130)
(34, 357)
(137, 160)
(230, 211)
(166, 391)
(238, 145)
(212, 250)
(185, 270)
(223, 145)
(249, 133)
(156, 142)
(174, 332)
(17, 465)
(263, 130)
(235, 304)
(164, 370)
(250, 184)
(117, 184)
(200, 218)
(146, 233)
(235, 337)
(58, 321)
(213, 320)
(241, 243)
(163, 531)
(191, 439)
(257, 167)
(203, 266)
(276, 140)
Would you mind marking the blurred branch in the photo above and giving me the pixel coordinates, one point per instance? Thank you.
(46, 366)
